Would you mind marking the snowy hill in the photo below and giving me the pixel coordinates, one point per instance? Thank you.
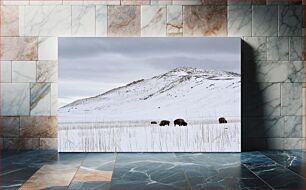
(183, 92)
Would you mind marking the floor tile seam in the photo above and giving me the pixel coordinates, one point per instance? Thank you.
(284, 166)
(77, 171)
(184, 173)
(258, 177)
(115, 162)
(277, 164)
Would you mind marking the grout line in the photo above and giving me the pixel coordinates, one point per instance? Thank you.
(77, 169)
(281, 164)
(184, 173)
(114, 166)
(257, 176)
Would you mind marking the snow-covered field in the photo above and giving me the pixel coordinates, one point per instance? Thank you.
(118, 120)
(140, 136)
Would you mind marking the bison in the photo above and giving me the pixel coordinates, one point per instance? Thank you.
(180, 122)
(164, 123)
(153, 122)
(222, 120)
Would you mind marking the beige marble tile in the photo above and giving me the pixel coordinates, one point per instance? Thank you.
(153, 20)
(47, 71)
(38, 126)
(18, 48)
(205, 21)
(9, 127)
(187, 2)
(48, 176)
(47, 48)
(135, 2)
(51, 20)
(48, 143)
(9, 20)
(123, 21)
(85, 174)
(15, 99)
(101, 20)
(175, 20)
(23, 71)
(83, 20)
(6, 71)
(40, 98)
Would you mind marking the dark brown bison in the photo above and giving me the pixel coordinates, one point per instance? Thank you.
(164, 123)
(180, 122)
(153, 122)
(222, 120)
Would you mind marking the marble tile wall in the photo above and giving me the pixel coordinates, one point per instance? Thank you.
(272, 58)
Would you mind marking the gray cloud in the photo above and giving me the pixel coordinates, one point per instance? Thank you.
(98, 64)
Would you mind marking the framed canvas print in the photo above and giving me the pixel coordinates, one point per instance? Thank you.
(149, 95)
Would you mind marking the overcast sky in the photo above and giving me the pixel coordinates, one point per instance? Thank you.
(90, 66)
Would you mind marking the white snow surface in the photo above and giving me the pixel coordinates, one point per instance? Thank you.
(184, 92)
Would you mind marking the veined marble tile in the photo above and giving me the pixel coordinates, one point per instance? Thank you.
(9, 20)
(189, 2)
(47, 20)
(278, 48)
(6, 71)
(135, 2)
(123, 21)
(46, 2)
(15, 99)
(38, 126)
(259, 127)
(294, 143)
(18, 48)
(265, 19)
(73, 2)
(205, 21)
(257, 49)
(47, 48)
(47, 71)
(262, 99)
(296, 48)
(291, 20)
(292, 99)
(40, 101)
(9, 127)
(102, 2)
(239, 20)
(161, 2)
(16, 2)
(174, 20)
(279, 71)
(293, 127)
(23, 71)
(296, 71)
(48, 143)
(50, 176)
(153, 20)
(54, 96)
(101, 20)
(83, 20)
